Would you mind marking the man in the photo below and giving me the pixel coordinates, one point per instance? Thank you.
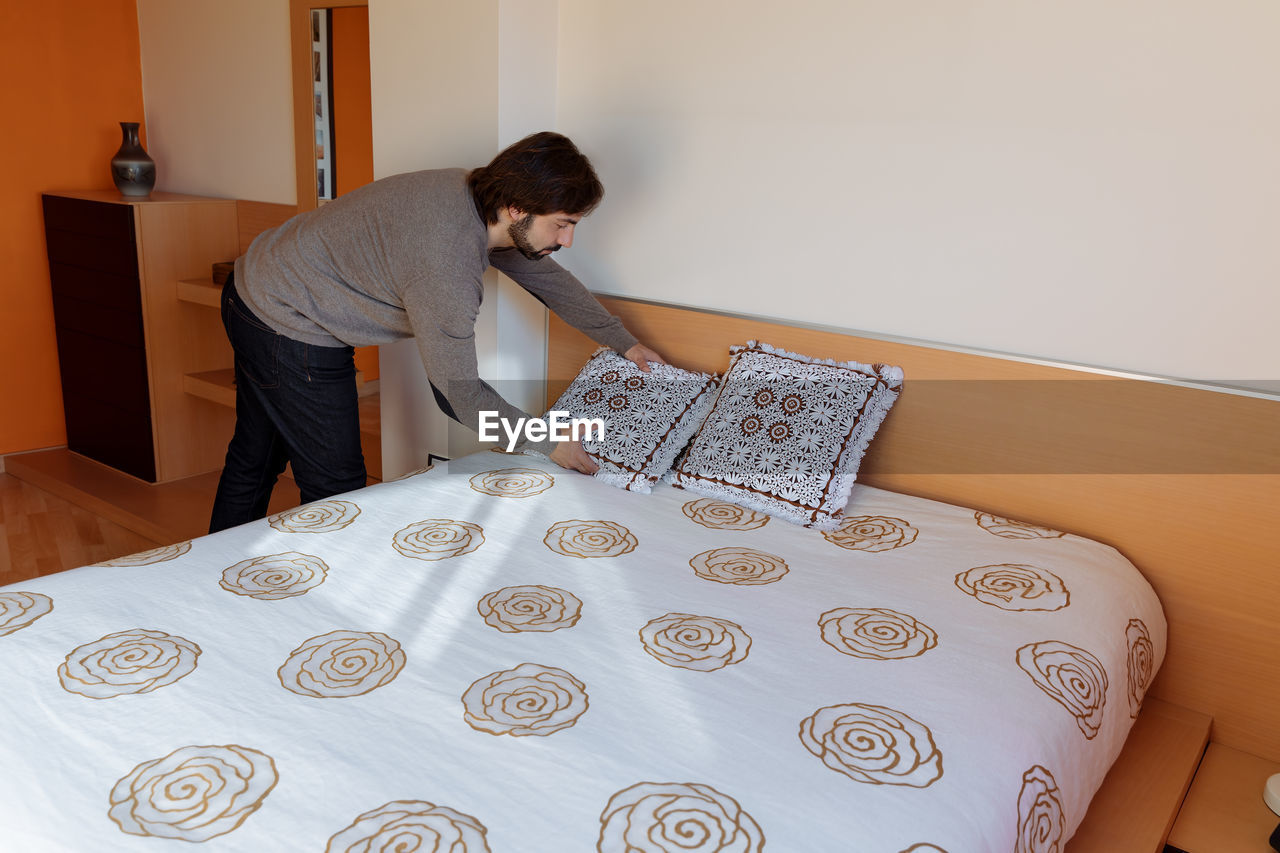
(401, 257)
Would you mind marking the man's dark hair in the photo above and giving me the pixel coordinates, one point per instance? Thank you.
(540, 174)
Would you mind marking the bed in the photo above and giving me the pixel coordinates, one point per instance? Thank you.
(497, 654)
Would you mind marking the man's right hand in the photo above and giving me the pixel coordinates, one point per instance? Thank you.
(569, 454)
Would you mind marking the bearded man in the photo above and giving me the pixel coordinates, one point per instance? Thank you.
(401, 257)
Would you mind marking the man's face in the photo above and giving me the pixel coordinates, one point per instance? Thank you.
(537, 236)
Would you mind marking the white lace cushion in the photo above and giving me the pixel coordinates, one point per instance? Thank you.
(787, 433)
(648, 417)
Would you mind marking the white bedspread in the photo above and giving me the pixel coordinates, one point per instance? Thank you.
(533, 661)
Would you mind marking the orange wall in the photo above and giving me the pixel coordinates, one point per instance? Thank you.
(352, 105)
(72, 73)
(353, 121)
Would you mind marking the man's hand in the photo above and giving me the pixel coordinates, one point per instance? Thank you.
(641, 355)
(569, 454)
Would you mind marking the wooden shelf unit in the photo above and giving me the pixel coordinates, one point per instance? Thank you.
(200, 291)
(125, 339)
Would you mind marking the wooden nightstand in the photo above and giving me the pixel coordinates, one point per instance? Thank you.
(1224, 811)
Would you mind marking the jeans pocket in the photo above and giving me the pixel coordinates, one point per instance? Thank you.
(329, 364)
(257, 350)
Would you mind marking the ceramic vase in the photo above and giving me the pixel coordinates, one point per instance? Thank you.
(132, 169)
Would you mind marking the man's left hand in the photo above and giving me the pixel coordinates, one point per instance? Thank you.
(641, 355)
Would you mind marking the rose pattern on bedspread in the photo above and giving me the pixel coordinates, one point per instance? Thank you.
(742, 566)
(873, 744)
(672, 817)
(1071, 676)
(530, 608)
(318, 517)
(135, 661)
(194, 793)
(20, 609)
(871, 533)
(1141, 664)
(529, 700)
(438, 539)
(1014, 586)
(1040, 815)
(411, 825)
(702, 643)
(876, 633)
(512, 482)
(586, 539)
(720, 515)
(275, 576)
(156, 555)
(342, 663)
(1008, 528)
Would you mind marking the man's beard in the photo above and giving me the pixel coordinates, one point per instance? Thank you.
(519, 232)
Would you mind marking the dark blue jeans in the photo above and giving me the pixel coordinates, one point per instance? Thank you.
(295, 403)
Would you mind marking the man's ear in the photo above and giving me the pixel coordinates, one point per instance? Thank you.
(515, 213)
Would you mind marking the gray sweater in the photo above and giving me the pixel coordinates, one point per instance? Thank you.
(403, 257)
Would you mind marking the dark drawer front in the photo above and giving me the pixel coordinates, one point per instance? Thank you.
(111, 324)
(99, 218)
(91, 234)
(97, 307)
(102, 370)
(115, 437)
(94, 286)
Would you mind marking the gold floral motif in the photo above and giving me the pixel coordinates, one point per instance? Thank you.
(702, 643)
(1071, 676)
(871, 533)
(411, 825)
(275, 576)
(135, 661)
(876, 633)
(1014, 586)
(194, 793)
(720, 515)
(530, 608)
(742, 566)
(318, 517)
(1008, 528)
(512, 482)
(1141, 664)
(1041, 822)
(342, 663)
(20, 609)
(155, 555)
(576, 538)
(873, 744)
(528, 700)
(675, 817)
(438, 539)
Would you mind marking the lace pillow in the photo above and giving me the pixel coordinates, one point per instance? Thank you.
(787, 433)
(648, 417)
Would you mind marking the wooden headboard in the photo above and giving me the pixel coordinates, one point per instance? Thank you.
(1184, 481)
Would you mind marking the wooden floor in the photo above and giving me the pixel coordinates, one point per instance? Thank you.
(40, 533)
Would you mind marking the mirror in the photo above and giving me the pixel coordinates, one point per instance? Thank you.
(332, 117)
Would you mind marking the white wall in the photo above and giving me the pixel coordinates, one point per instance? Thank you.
(1095, 181)
(218, 98)
(452, 84)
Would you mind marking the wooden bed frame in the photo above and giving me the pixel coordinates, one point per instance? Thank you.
(1183, 480)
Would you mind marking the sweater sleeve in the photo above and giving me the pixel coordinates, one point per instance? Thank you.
(447, 343)
(560, 290)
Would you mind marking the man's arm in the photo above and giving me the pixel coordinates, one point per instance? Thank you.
(560, 290)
